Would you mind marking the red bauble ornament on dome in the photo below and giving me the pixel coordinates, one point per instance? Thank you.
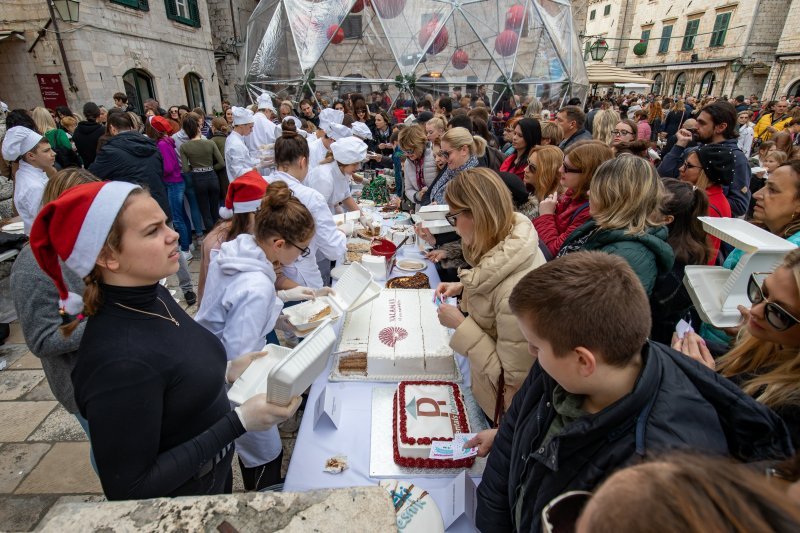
(439, 42)
(335, 34)
(358, 7)
(506, 43)
(389, 9)
(515, 17)
(460, 59)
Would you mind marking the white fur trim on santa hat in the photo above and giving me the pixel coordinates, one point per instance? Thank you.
(73, 304)
(96, 225)
(250, 206)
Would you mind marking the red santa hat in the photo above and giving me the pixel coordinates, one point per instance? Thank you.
(244, 194)
(74, 228)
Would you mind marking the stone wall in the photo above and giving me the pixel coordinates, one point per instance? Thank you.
(228, 33)
(109, 40)
(334, 511)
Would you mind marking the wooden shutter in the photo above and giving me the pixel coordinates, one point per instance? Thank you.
(172, 10)
(194, 13)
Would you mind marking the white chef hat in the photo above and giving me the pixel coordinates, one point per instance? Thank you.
(18, 141)
(338, 132)
(265, 102)
(349, 150)
(3, 107)
(361, 130)
(330, 116)
(242, 115)
(292, 118)
(409, 121)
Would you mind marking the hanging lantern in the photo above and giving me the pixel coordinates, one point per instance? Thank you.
(515, 17)
(439, 42)
(506, 43)
(335, 34)
(389, 9)
(358, 7)
(460, 59)
(598, 49)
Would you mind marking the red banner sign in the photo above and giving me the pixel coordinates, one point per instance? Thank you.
(52, 90)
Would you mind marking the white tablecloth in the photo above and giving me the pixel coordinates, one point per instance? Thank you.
(352, 438)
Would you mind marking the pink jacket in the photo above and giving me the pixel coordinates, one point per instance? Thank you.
(171, 161)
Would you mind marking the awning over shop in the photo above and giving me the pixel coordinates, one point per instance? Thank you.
(602, 73)
(12, 35)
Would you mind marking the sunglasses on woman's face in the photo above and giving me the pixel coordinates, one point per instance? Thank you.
(777, 317)
(445, 154)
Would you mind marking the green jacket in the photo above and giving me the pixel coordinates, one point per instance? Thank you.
(648, 254)
(58, 139)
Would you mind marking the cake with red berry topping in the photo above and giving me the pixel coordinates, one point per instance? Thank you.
(426, 412)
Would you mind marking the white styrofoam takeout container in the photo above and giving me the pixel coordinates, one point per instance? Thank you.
(284, 373)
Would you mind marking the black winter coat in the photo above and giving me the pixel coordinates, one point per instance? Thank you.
(132, 157)
(86, 135)
(676, 403)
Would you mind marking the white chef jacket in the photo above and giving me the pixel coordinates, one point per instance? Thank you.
(29, 183)
(240, 306)
(264, 132)
(316, 153)
(237, 156)
(328, 242)
(329, 181)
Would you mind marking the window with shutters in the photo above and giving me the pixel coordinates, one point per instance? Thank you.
(607, 10)
(135, 4)
(663, 45)
(183, 11)
(592, 14)
(352, 26)
(690, 34)
(720, 29)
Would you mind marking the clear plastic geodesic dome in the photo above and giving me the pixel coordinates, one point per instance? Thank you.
(409, 48)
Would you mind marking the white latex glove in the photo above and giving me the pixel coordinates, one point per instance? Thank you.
(365, 221)
(296, 294)
(237, 367)
(324, 291)
(258, 415)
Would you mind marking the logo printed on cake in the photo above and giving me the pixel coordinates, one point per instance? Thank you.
(392, 335)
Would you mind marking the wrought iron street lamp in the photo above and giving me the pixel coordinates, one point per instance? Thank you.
(68, 10)
(737, 66)
(598, 50)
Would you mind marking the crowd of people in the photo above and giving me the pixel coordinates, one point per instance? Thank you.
(573, 228)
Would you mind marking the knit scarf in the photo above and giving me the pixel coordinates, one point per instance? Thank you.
(437, 192)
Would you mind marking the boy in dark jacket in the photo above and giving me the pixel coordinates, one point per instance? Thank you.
(601, 395)
(87, 133)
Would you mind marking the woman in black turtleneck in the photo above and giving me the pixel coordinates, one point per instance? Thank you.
(149, 380)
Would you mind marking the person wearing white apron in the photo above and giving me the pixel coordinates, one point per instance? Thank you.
(264, 129)
(291, 158)
(238, 158)
(241, 305)
(332, 178)
(34, 155)
(319, 148)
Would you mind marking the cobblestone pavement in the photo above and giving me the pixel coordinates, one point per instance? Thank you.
(44, 453)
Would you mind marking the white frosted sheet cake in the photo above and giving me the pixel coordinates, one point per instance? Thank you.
(401, 335)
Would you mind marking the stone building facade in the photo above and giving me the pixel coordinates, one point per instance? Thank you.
(784, 76)
(146, 48)
(605, 19)
(228, 33)
(691, 47)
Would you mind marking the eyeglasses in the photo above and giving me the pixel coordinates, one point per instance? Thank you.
(688, 165)
(777, 317)
(570, 170)
(304, 252)
(562, 513)
(451, 217)
(445, 153)
(620, 133)
(173, 112)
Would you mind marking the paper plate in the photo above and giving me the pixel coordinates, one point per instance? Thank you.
(411, 265)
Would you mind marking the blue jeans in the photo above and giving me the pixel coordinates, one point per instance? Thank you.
(85, 425)
(175, 197)
(194, 207)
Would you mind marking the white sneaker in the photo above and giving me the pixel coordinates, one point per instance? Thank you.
(187, 255)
